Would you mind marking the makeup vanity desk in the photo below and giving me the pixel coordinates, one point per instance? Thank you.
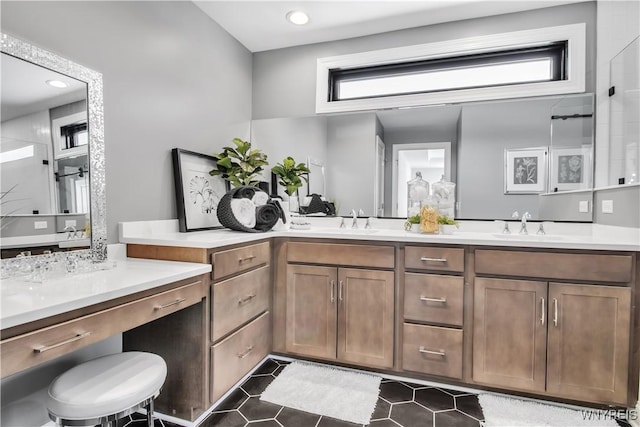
(43, 321)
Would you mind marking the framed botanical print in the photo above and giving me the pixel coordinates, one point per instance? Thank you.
(197, 192)
(570, 169)
(525, 170)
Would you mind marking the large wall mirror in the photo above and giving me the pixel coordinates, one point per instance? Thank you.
(51, 153)
(479, 146)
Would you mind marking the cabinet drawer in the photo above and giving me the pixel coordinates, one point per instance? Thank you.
(237, 300)
(237, 354)
(226, 263)
(433, 298)
(432, 350)
(587, 267)
(434, 258)
(24, 351)
(339, 254)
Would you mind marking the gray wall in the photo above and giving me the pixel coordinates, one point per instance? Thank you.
(284, 80)
(351, 153)
(486, 131)
(565, 206)
(299, 138)
(172, 78)
(626, 206)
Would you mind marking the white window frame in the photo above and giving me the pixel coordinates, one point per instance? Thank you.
(574, 34)
(58, 143)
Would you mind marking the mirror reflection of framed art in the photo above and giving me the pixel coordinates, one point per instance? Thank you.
(570, 169)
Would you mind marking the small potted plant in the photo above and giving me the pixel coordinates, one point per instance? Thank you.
(413, 223)
(447, 224)
(290, 177)
(240, 165)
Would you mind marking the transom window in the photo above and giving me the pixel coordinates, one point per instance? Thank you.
(517, 64)
(533, 64)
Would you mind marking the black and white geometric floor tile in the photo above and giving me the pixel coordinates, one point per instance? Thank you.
(400, 404)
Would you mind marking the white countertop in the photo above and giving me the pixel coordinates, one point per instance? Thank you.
(487, 233)
(59, 239)
(23, 302)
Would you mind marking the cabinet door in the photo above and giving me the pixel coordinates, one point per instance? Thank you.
(311, 311)
(366, 317)
(509, 333)
(589, 342)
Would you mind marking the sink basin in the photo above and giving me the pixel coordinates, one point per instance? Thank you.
(347, 231)
(343, 230)
(75, 243)
(529, 237)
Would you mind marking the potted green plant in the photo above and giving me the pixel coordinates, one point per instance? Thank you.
(240, 165)
(412, 223)
(447, 224)
(291, 174)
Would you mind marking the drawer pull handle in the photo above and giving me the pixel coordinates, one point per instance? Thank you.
(555, 312)
(162, 307)
(78, 337)
(340, 286)
(246, 299)
(249, 258)
(437, 353)
(246, 352)
(442, 300)
(542, 310)
(427, 259)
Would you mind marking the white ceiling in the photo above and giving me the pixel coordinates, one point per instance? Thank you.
(24, 89)
(261, 25)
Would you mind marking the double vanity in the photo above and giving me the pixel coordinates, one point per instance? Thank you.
(551, 316)
(554, 317)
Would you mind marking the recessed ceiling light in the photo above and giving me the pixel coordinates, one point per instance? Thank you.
(297, 17)
(57, 83)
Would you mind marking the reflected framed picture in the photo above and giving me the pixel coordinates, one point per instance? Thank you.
(197, 192)
(570, 169)
(525, 170)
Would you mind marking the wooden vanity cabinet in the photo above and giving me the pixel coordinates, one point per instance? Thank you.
(337, 312)
(570, 340)
(433, 310)
(236, 317)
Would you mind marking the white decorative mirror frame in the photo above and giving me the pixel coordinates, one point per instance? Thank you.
(36, 55)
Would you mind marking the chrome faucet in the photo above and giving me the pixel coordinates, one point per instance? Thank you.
(505, 230)
(541, 229)
(354, 215)
(523, 224)
(71, 232)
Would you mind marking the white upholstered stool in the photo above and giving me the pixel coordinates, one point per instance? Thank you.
(106, 389)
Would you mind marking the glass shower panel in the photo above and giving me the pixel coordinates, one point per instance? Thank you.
(624, 136)
(571, 150)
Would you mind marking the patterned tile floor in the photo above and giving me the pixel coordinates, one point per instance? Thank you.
(399, 404)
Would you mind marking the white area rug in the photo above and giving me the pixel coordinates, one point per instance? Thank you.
(334, 392)
(508, 412)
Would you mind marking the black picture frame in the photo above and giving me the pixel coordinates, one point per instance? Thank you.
(197, 192)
